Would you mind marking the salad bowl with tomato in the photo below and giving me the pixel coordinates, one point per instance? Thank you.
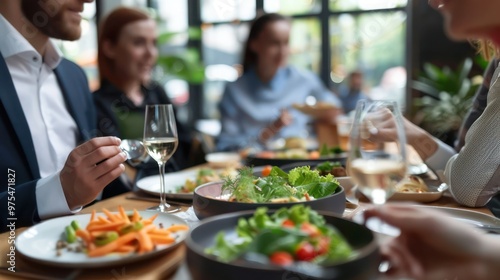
(289, 243)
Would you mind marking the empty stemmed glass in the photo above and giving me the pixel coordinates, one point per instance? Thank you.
(161, 140)
(377, 157)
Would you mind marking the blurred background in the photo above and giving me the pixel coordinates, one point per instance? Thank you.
(399, 46)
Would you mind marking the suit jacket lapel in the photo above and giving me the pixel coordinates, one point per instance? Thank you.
(63, 76)
(8, 97)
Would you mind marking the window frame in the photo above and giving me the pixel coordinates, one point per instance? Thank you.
(324, 16)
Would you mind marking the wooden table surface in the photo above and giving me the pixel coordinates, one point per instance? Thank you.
(161, 267)
(153, 268)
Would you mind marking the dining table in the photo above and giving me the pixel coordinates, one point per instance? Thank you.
(170, 265)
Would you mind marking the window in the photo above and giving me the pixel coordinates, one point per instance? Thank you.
(361, 42)
(221, 59)
(173, 25)
(227, 10)
(366, 5)
(292, 7)
(305, 43)
(331, 40)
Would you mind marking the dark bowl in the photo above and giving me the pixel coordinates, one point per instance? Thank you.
(254, 160)
(289, 166)
(364, 265)
(206, 205)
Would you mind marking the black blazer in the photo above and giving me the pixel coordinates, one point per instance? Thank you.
(17, 152)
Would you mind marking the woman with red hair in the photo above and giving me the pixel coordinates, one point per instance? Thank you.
(127, 54)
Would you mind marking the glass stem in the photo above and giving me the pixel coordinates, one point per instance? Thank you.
(163, 195)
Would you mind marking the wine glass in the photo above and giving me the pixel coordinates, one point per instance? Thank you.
(377, 158)
(161, 140)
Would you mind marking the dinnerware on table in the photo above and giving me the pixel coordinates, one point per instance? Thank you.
(256, 160)
(363, 265)
(207, 204)
(377, 167)
(173, 183)
(38, 243)
(487, 223)
(160, 139)
(318, 110)
(223, 160)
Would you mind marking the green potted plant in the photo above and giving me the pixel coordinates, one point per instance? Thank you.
(182, 63)
(447, 96)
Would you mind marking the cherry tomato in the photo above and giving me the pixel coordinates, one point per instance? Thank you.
(305, 252)
(266, 171)
(322, 245)
(309, 229)
(281, 258)
(288, 223)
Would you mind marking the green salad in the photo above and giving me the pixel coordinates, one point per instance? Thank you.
(300, 184)
(288, 235)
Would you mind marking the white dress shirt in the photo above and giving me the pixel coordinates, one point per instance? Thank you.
(53, 130)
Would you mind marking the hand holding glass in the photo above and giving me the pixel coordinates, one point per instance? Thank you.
(377, 167)
(160, 140)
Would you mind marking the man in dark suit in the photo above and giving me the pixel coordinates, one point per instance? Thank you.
(46, 113)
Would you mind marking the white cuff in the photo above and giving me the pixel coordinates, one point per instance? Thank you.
(438, 160)
(50, 198)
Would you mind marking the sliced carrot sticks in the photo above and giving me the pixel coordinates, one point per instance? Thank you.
(123, 214)
(174, 228)
(110, 247)
(123, 233)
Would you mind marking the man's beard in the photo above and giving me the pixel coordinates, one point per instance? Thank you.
(48, 17)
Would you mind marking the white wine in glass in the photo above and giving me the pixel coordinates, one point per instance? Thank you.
(161, 140)
(376, 167)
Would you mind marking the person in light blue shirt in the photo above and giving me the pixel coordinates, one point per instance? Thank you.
(258, 106)
(353, 92)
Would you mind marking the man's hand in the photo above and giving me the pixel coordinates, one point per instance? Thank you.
(89, 168)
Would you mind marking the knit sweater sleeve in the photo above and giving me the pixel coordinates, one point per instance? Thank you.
(474, 174)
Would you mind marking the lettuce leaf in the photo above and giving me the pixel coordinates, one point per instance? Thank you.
(317, 186)
(225, 250)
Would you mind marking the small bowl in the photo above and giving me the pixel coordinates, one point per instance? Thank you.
(256, 160)
(364, 265)
(205, 203)
(223, 160)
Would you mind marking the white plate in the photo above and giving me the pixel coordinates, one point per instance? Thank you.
(38, 243)
(173, 181)
(468, 216)
(318, 110)
(473, 218)
(433, 194)
(223, 159)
